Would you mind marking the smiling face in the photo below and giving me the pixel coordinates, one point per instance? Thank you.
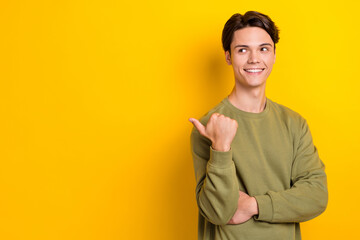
(252, 56)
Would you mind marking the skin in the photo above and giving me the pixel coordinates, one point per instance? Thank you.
(251, 48)
(220, 130)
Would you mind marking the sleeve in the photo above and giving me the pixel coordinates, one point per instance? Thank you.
(217, 190)
(308, 195)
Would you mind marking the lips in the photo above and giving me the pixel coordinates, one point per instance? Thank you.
(253, 70)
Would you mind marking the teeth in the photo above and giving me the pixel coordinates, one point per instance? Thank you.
(253, 70)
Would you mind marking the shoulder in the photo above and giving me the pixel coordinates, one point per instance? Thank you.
(292, 120)
(286, 113)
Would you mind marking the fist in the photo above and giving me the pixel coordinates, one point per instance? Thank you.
(219, 129)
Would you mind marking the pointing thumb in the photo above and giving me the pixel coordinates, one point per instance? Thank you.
(198, 126)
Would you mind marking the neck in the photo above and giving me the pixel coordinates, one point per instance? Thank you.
(253, 100)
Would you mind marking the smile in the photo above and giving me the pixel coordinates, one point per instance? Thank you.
(254, 70)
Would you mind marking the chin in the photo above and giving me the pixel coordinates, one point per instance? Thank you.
(252, 84)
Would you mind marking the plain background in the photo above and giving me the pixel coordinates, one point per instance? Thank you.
(95, 98)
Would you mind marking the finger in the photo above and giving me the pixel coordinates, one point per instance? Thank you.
(215, 114)
(198, 126)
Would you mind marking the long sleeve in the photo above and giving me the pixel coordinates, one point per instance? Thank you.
(216, 183)
(308, 195)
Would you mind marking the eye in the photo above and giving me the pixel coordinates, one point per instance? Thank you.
(264, 49)
(242, 50)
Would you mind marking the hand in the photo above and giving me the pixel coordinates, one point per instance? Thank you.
(219, 129)
(247, 207)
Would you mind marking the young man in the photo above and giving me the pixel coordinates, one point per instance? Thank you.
(258, 173)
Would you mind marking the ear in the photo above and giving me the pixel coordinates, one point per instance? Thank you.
(228, 57)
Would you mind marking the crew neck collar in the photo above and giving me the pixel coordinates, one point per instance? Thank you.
(249, 114)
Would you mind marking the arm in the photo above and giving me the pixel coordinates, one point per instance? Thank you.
(217, 190)
(308, 195)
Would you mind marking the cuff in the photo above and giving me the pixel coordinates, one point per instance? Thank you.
(265, 208)
(220, 159)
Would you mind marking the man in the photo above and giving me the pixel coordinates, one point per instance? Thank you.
(258, 173)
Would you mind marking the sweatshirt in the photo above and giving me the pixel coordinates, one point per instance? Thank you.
(273, 159)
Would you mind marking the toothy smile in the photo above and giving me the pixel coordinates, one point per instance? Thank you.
(254, 70)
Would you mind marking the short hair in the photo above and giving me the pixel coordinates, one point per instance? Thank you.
(249, 19)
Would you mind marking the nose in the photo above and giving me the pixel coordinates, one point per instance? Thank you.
(253, 57)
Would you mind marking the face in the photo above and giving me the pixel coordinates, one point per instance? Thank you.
(252, 56)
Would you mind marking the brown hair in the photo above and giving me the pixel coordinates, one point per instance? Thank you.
(249, 19)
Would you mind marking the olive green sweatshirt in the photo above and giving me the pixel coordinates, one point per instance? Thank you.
(273, 159)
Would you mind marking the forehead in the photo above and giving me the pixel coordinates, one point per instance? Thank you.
(251, 36)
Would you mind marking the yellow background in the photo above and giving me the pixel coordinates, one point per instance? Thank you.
(95, 97)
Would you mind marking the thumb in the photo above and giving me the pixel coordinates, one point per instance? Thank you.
(198, 126)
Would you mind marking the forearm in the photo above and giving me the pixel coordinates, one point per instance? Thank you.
(217, 192)
(306, 199)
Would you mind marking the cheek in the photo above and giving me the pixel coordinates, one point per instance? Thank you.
(238, 61)
(273, 60)
(270, 61)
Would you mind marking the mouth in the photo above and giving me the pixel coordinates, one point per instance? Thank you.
(254, 70)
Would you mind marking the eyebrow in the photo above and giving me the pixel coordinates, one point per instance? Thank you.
(263, 44)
